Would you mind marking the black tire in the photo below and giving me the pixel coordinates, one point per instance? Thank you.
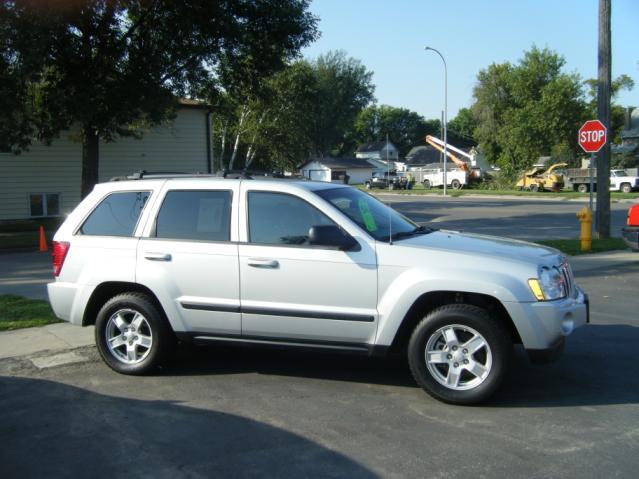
(498, 347)
(582, 188)
(456, 184)
(534, 188)
(626, 188)
(124, 307)
(426, 184)
(368, 185)
(393, 186)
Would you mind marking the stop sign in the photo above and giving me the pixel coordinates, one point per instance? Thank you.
(592, 136)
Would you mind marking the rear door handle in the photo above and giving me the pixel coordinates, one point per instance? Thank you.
(158, 256)
(263, 263)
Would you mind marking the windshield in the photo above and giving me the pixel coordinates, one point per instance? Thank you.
(371, 214)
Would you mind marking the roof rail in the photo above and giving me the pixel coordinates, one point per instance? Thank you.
(229, 174)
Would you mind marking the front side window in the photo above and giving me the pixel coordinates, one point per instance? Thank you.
(195, 215)
(281, 219)
(116, 215)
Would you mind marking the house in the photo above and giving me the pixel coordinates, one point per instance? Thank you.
(337, 169)
(45, 180)
(378, 150)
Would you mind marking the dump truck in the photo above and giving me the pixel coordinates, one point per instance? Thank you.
(620, 180)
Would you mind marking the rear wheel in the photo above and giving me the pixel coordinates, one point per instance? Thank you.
(427, 184)
(132, 336)
(534, 188)
(455, 184)
(459, 354)
(582, 188)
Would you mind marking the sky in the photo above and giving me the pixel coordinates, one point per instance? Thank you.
(388, 37)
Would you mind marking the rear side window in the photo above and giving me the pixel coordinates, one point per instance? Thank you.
(116, 215)
(195, 215)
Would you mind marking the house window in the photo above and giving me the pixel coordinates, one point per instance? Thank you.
(44, 204)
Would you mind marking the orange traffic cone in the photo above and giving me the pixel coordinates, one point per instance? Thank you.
(43, 240)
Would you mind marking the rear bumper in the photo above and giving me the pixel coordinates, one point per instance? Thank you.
(630, 235)
(64, 298)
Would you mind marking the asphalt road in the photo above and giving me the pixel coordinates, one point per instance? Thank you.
(217, 412)
(521, 218)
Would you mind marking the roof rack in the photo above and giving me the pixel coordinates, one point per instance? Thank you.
(229, 174)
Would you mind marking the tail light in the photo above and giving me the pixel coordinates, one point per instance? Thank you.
(59, 252)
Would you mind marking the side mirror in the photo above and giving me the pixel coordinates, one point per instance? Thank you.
(331, 235)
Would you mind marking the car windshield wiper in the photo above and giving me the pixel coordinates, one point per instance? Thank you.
(419, 230)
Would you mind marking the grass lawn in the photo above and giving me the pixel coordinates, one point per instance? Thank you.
(573, 246)
(17, 312)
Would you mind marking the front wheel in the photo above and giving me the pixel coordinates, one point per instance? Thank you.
(626, 188)
(582, 188)
(455, 184)
(132, 336)
(426, 184)
(459, 354)
(368, 185)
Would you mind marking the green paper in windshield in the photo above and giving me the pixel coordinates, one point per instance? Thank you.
(367, 216)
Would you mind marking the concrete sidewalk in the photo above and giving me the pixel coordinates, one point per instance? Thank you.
(53, 337)
(65, 336)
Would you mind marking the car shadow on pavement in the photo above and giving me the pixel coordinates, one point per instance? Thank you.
(49, 429)
(597, 368)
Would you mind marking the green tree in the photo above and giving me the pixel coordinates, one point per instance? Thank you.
(404, 128)
(344, 88)
(527, 110)
(617, 112)
(461, 129)
(107, 65)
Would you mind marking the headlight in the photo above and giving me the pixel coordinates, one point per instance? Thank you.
(550, 285)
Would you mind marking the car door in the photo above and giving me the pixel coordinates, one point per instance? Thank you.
(291, 290)
(188, 256)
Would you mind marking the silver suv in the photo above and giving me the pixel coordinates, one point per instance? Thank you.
(305, 265)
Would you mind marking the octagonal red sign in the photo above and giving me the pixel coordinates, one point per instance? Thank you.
(592, 136)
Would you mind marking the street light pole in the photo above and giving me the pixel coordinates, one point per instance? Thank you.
(445, 115)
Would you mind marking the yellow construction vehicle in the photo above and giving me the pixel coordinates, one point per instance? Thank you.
(540, 179)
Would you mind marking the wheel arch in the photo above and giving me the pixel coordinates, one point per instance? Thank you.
(104, 291)
(432, 300)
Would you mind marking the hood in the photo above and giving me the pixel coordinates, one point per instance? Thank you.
(484, 245)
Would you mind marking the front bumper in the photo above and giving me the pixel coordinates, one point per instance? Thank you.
(543, 325)
(630, 235)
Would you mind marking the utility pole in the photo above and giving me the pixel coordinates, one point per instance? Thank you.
(602, 218)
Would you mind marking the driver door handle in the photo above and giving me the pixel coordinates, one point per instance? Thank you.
(157, 256)
(263, 263)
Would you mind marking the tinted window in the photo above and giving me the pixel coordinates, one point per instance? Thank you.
(276, 218)
(116, 215)
(195, 215)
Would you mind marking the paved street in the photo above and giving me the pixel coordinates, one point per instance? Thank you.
(218, 412)
(522, 218)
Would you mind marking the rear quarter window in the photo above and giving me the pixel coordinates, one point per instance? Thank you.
(116, 215)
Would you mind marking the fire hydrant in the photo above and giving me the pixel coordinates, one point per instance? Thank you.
(585, 218)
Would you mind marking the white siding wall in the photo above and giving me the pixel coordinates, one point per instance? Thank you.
(42, 169)
(57, 168)
(177, 147)
(316, 171)
(359, 176)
